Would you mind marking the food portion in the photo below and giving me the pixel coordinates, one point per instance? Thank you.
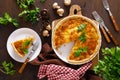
(85, 45)
(22, 46)
(67, 32)
(83, 33)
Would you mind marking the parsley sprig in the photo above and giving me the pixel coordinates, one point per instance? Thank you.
(109, 67)
(80, 50)
(81, 27)
(7, 68)
(24, 46)
(30, 15)
(24, 4)
(82, 37)
(8, 19)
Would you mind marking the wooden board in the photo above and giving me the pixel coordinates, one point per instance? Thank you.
(76, 10)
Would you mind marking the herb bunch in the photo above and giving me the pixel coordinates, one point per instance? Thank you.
(29, 14)
(25, 45)
(109, 67)
(8, 19)
(79, 51)
(81, 27)
(83, 36)
(7, 68)
(24, 4)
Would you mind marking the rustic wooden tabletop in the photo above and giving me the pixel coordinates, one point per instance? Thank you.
(87, 6)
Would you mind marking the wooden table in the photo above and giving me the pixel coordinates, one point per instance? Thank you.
(87, 6)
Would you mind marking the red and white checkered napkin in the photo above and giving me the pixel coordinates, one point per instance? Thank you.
(56, 72)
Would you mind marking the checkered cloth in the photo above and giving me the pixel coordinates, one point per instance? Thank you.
(56, 72)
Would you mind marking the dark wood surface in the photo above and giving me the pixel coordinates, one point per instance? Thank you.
(10, 6)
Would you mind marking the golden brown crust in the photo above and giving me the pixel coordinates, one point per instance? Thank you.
(91, 43)
(18, 45)
(68, 31)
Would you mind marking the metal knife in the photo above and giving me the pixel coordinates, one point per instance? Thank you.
(106, 6)
(35, 46)
(103, 26)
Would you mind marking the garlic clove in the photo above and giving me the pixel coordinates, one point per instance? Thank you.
(60, 11)
(48, 27)
(55, 5)
(45, 33)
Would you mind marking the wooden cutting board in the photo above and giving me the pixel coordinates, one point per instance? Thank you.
(76, 10)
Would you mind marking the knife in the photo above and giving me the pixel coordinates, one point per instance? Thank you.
(103, 26)
(35, 46)
(106, 6)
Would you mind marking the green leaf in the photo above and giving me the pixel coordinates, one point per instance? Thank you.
(81, 27)
(80, 50)
(3, 21)
(83, 36)
(7, 16)
(84, 49)
(24, 4)
(14, 22)
(117, 54)
(42, 1)
(26, 43)
(109, 51)
(7, 68)
(25, 51)
(30, 15)
(118, 71)
(12, 72)
(8, 19)
(11, 64)
(23, 13)
(108, 67)
(4, 63)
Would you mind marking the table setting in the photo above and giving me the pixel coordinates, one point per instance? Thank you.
(59, 40)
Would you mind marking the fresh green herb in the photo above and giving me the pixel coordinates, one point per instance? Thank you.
(83, 36)
(7, 68)
(42, 1)
(109, 67)
(8, 19)
(81, 27)
(26, 43)
(30, 15)
(24, 4)
(80, 50)
(25, 51)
